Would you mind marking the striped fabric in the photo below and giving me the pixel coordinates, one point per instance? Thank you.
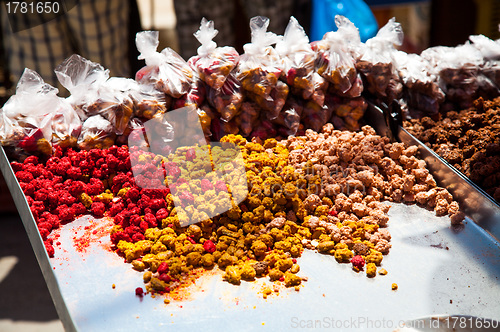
(95, 29)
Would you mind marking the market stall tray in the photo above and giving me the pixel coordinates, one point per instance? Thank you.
(439, 270)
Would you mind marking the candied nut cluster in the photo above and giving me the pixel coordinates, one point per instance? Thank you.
(469, 140)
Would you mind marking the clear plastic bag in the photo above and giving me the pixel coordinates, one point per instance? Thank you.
(334, 62)
(97, 133)
(167, 71)
(346, 112)
(83, 79)
(423, 93)
(376, 63)
(259, 68)
(35, 117)
(298, 60)
(213, 64)
(250, 113)
(93, 92)
(458, 71)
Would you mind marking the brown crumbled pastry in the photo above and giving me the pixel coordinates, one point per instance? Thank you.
(469, 140)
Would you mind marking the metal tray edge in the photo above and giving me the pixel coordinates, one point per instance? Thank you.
(36, 241)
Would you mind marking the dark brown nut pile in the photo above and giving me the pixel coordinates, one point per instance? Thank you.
(469, 140)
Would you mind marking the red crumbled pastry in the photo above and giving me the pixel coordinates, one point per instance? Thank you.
(161, 214)
(209, 246)
(206, 185)
(98, 209)
(137, 237)
(162, 268)
(49, 248)
(358, 261)
(115, 208)
(79, 209)
(23, 176)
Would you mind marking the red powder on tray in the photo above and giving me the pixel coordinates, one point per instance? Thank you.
(97, 232)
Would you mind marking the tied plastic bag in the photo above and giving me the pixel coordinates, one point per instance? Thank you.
(97, 133)
(34, 118)
(376, 64)
(83, 79)
(212, 63)
(490, 50)
(106, 96)
(334, 61)
(297, 58)
(288, 122)
(459, 74)
(259, 68)
(422, 92)
(167, 71)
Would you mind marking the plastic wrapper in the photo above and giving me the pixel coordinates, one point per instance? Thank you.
(194, 97)
(264, 130)
(97, 133)
(105, 96)
(460, 77)
(422, 92)
(167, 71)
(376, 64)
(490, 50)
(221, 128)
(213, 64)
(259, 68)
(206, 114)
(298, 60)
(35, 118)
(134, 124)
(227, 101)
(334, 62)
(274, 103)
(83, 79)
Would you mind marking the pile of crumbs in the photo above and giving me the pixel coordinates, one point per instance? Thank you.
(322, 191)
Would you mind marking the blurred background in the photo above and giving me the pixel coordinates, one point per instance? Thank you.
(25, 303)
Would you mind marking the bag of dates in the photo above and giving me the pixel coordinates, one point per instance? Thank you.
(213, 64)
(259, 69)
(298, 59)
(335, 63)
(376, 63)
(35, 118)
(422, 93)
(93, 92)
(167, 70)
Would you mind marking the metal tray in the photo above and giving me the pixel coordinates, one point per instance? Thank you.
(474, 201)
(439, 270)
